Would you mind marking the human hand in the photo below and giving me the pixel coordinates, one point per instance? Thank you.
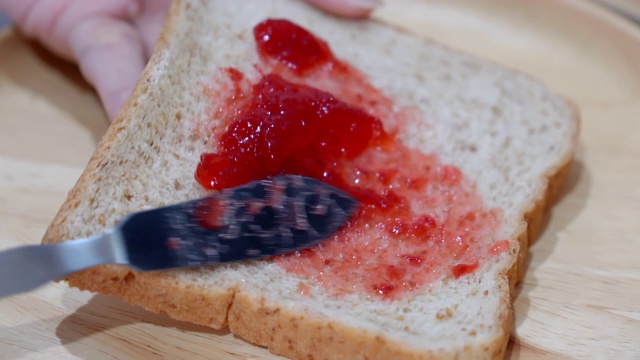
(111, 41)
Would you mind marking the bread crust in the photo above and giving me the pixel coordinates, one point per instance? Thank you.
(283, 331)
(158, 293)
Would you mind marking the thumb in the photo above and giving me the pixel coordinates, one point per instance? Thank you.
(111, 55)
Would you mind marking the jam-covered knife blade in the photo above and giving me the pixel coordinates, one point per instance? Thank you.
(252, 221)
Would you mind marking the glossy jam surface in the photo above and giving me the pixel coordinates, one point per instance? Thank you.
(286, 128)
(420, 219)
(291, 45)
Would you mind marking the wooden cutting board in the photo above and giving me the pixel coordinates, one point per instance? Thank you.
(580, 297)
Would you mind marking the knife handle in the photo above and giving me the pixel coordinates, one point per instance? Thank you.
(28, 267)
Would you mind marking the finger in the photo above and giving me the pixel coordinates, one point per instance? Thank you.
(149, 20)
(347, 8)
(111, 56)
(39, 19)
(51, 21)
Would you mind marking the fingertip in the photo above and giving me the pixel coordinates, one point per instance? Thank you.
(347, 8)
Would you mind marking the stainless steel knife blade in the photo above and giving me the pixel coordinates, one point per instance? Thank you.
(252, 221)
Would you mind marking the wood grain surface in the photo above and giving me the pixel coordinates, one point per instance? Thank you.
(580, 296)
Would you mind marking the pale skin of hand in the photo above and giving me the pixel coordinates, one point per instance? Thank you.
(111, 40)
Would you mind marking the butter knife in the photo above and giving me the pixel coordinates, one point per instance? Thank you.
(252, 221)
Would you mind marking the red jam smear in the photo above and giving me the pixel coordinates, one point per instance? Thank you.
(317, 116)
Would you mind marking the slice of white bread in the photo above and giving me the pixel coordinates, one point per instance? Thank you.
(507, 133)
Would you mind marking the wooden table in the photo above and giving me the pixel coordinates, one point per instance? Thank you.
(581, 294)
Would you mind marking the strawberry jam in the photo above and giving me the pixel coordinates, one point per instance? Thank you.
(311, 114)
(286, 128)
(291, 45)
